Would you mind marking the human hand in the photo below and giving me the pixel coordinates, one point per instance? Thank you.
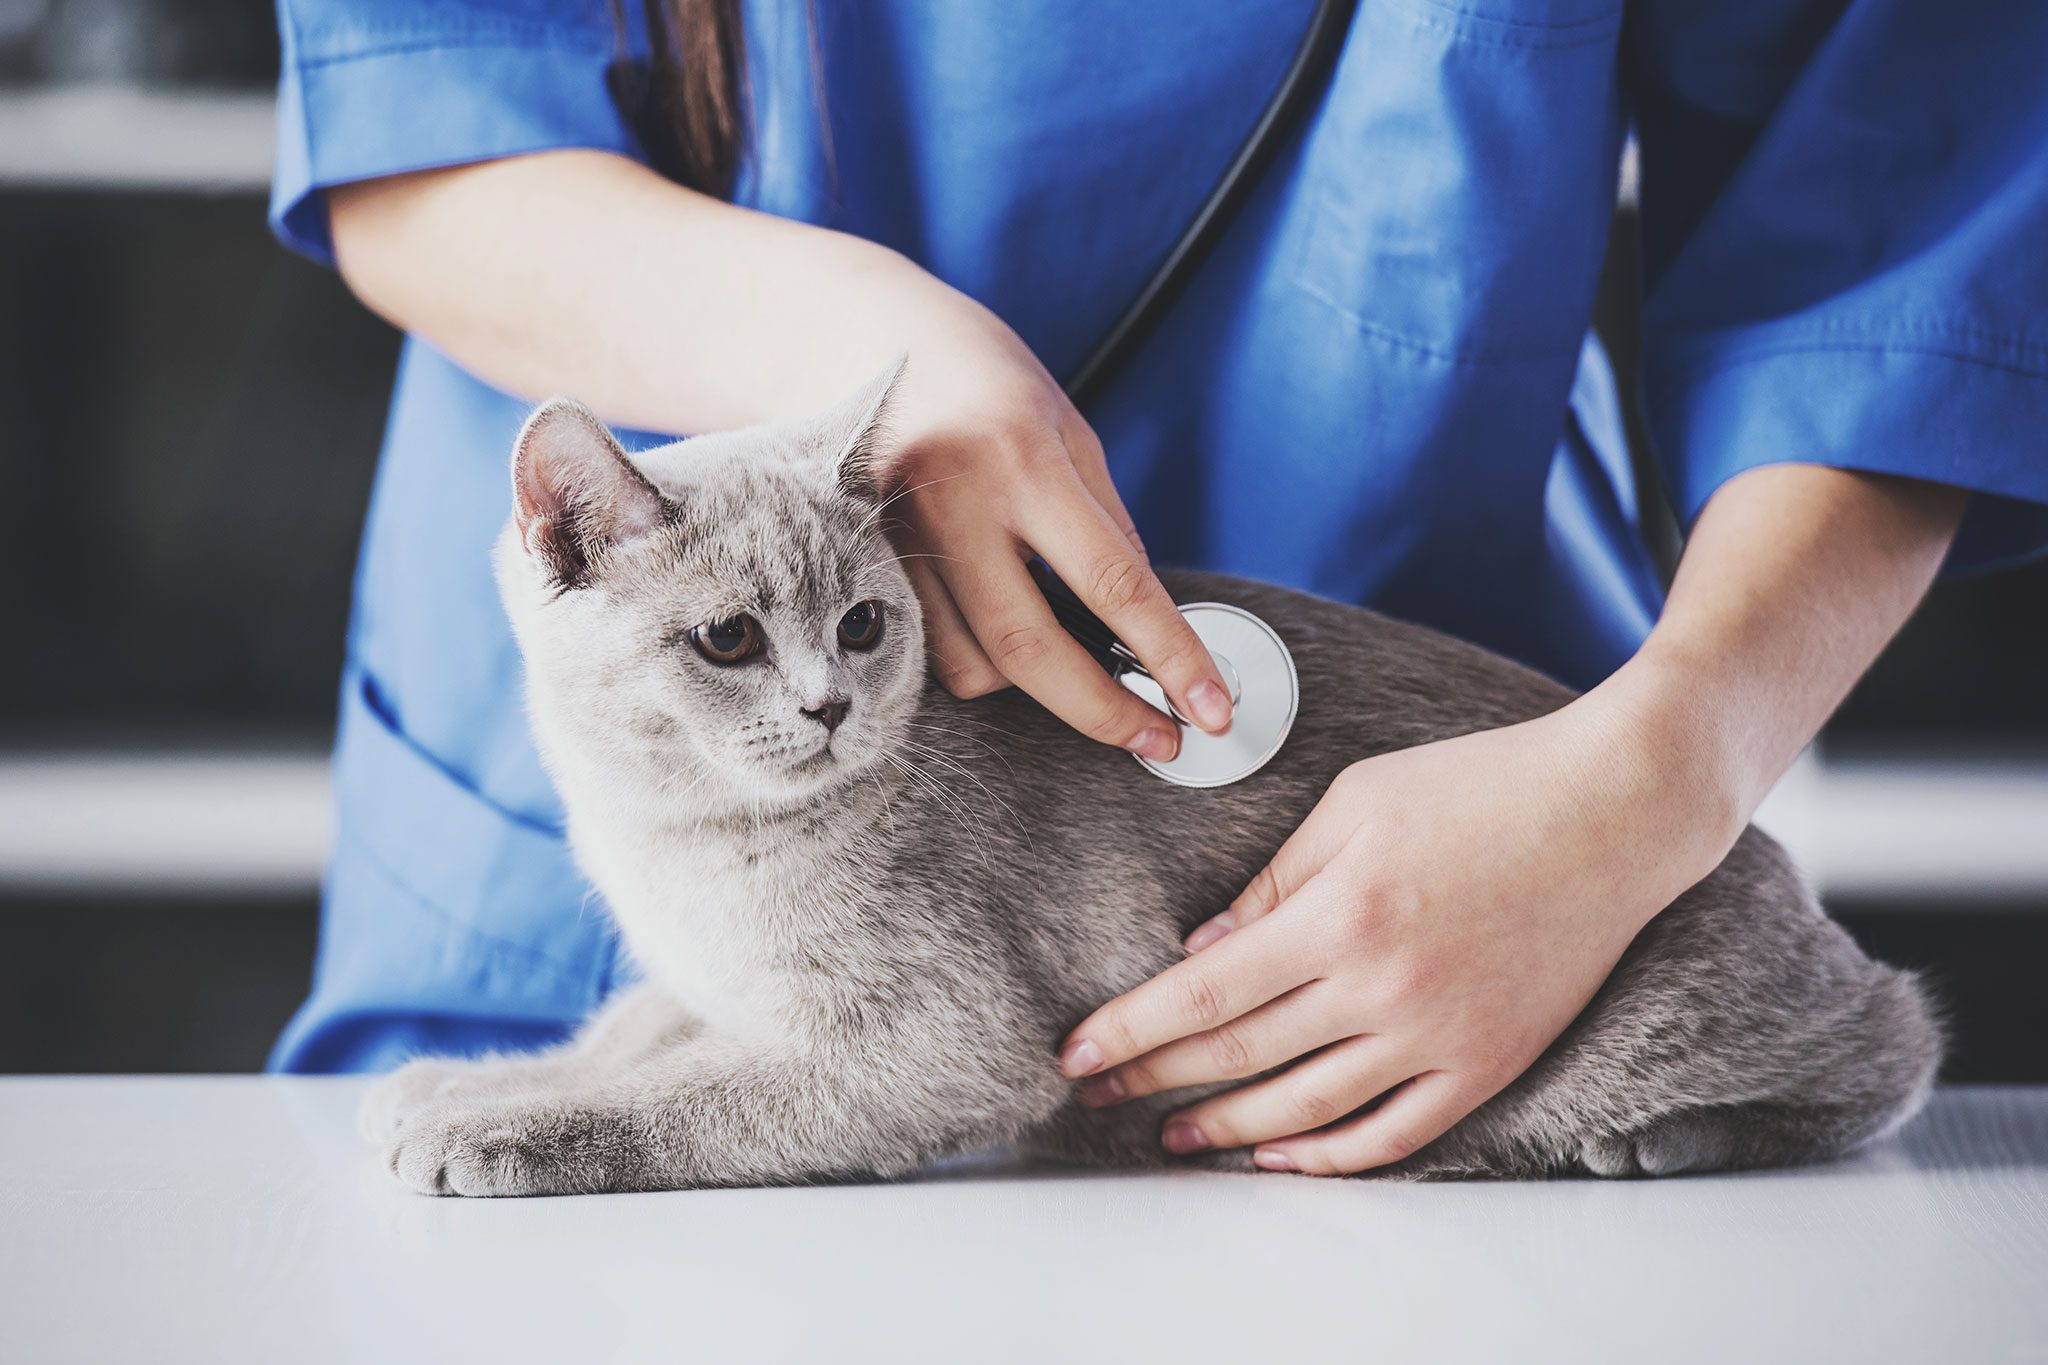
(992, 465)
(1439, 918)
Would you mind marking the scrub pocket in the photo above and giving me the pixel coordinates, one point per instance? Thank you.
(449, 924)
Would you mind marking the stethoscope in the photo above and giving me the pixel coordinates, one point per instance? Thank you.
(1257, 671)
(1253, 660)
(1256, 667)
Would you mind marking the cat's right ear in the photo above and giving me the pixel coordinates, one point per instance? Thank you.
(574, 492)
(858, 435)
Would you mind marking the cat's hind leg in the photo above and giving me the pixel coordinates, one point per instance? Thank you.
(1743, 1028)
(1696, 1089)
(1871, 1084)
(1733, 1137)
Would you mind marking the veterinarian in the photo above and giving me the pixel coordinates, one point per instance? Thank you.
(1381, 387)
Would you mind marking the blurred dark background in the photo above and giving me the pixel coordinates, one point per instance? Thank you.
(191, 426)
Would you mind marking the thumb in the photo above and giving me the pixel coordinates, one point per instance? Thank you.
(1300, 858)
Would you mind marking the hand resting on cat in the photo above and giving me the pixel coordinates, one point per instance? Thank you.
(866, 911)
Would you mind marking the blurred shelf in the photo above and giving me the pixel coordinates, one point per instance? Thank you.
(118, 137)
(1916, 830)
(172, 822)
(1878, 832)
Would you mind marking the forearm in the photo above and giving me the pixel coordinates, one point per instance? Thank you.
(586, 273)
(663, 309)
(1794, 579)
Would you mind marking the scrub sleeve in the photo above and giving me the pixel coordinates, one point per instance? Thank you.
(451, 918)
(380, 88)
(1845, 219)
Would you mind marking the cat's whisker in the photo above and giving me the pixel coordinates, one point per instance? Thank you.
(965, 772)
(872, 523)
(947, 801)
(976, 740)
(916, 554)
(976, 722)
(882, 790)
(666, 781)
(902, 493)
(869, 529)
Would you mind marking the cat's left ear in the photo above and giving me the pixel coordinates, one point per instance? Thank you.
(857, 436)
(575, 494)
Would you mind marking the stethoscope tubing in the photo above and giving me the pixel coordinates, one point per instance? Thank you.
(1314, 59)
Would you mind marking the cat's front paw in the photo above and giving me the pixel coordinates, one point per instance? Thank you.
(404, 1092)
(510, 1150)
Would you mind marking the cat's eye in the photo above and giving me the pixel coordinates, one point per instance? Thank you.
(861, 627)
(733, 640)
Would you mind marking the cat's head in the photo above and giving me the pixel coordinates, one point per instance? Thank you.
(724, 611)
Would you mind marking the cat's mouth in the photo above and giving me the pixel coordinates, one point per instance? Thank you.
(816, 761)
(834, 758)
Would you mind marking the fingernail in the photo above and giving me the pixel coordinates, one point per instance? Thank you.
(1101, 1090)
(1182, 1137)
(1272, 1161)
(1209, 933)
(1210, 704)
(1081, 1058)
(1155, 744)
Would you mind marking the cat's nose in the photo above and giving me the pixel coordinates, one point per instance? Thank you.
(828, 712)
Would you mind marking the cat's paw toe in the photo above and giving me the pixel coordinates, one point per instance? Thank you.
(1675, 1148)
(479, 1155)
(396, 1097)
(1662, 1149)
(1611, 1157)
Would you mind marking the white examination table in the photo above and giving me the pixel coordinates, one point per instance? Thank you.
(239, 1219)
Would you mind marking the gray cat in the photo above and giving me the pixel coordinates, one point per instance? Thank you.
(867, 912)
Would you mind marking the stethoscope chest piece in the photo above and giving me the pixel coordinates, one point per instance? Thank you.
(1265, 692)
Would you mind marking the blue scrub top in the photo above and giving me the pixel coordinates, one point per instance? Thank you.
(1380, 388)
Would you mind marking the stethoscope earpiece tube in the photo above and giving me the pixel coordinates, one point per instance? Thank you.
(1084, 625)
(1314, 58)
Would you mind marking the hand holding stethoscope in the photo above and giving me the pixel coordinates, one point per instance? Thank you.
(996, 468)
